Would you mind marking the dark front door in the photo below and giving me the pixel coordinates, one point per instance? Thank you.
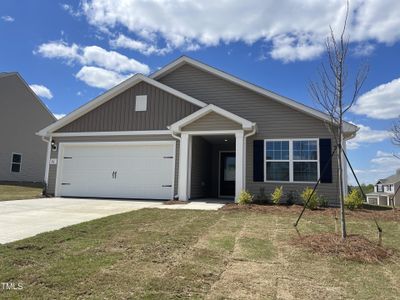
(227, 174)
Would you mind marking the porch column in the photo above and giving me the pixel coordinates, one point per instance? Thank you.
(239, 178)
(183, 167)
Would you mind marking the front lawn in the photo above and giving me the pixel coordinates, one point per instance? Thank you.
(17, 191)
(156, 253)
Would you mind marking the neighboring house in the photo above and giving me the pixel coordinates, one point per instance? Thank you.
(385, 191)
(22, 114)
(190, 131)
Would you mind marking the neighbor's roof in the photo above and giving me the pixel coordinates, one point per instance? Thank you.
(348, 127)
(391, 179)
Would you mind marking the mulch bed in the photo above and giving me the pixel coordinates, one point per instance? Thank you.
(355, 247)
(172, 202)
(379, 214)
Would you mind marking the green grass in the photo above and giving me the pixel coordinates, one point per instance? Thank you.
(166, 254)
(11, 191)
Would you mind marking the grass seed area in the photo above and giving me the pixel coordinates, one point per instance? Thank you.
(169, 254)
(18, 191)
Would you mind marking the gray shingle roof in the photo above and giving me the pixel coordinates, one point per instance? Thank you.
(391, 179)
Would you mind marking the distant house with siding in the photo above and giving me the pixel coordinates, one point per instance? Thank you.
(385, 191)
(22, 114)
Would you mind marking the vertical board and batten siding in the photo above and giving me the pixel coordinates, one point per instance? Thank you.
(212, 121)
(54, 154)
(274, 120)
(118, 114)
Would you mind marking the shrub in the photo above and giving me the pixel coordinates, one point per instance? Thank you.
(277, 195)
(314, 200)
(323, 202)
(262, 197)
(245, 197)
(354, 199)
(292, 197)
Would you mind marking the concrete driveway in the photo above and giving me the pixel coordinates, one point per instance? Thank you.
(20, 219)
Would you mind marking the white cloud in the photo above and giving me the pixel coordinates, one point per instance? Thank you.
(296, 31)
(364, 49)
(101, 68)
(41, 91)
(123, 41)
(382, 165)
(7, 18)
(59, 116)
(69, 9)
(100, 78)
(59, 50)
(92, 55)
(382, 102)
(367, 135)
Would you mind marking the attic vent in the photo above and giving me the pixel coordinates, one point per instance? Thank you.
(141, 103)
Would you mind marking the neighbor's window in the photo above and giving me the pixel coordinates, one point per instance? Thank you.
(16, 162)
(291, 160)
(141, 103)
(277, 161)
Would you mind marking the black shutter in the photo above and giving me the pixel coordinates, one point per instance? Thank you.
(258, 160)
(325, 161)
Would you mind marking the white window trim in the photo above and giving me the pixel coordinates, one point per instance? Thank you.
(291, 160)
(20, 163)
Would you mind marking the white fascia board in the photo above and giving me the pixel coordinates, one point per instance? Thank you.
(284, 100)
(111, 133)
(108, 95)
(176, 127)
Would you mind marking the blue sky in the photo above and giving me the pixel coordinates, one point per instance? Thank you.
(71, 51)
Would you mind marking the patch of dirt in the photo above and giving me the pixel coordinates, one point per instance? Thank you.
(379, 214)
(172, 202)
(355, 247)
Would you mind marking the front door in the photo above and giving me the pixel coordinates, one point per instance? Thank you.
(227, 174)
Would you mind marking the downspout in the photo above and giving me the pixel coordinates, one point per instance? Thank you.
(245, 152)
(179, 139)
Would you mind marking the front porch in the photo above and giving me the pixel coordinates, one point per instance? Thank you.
(212, 154)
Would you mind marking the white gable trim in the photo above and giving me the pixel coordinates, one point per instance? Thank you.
(284, 100)
(108, 95)
(177, 126)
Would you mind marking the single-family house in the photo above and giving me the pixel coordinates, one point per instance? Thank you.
(385, 191)
(22, 114)
(190, 131)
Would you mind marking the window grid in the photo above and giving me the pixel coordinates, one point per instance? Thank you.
(16, 162)
(291, 159)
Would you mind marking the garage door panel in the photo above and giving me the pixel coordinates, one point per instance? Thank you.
(142, 171)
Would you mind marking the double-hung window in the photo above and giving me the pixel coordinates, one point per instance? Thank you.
(291, 160)
(16, 161)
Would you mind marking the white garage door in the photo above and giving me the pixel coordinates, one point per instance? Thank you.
(139, 170)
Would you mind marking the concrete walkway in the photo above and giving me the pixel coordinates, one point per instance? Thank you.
(20, 219)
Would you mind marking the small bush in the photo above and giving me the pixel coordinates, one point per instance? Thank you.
(292, 197)
(323, 202)
(245, 197)
(314, 200)
(277, 195)
(354, 200)
(262, 197)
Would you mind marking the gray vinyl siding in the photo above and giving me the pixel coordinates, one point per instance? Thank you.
(274, 120)
(201, 168)
(54, 154)
(212, 121)
(118, 114)
(21, 116)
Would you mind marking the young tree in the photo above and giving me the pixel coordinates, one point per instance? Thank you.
(329, 92)
(396, 133)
